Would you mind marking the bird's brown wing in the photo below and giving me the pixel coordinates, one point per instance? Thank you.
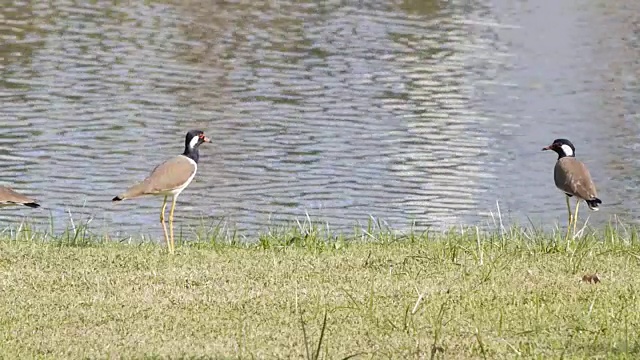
(9, 196)
(169, 175)
(572, 177)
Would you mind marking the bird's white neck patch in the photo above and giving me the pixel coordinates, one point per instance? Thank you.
(566, 149)
(195, 139)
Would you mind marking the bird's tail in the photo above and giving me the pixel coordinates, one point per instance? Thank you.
(594, 203)
(134, 191)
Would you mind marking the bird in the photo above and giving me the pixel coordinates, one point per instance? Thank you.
(9, 197)
(170, 178)
(573, 178)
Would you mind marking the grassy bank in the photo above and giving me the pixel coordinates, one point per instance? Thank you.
(300, 293)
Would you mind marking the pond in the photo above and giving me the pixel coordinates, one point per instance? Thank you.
(417, 112)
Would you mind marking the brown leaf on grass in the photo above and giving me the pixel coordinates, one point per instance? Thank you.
(591, 278)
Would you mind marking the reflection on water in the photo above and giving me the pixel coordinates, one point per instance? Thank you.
(411, 111)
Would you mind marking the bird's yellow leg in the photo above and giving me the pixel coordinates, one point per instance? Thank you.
(164, 226)
(173, 206)
(575, 217)
(570, 218)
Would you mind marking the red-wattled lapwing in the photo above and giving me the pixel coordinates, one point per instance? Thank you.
(9, 197)
(573, 178)
(170, 178)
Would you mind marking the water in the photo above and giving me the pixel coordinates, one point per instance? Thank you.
(415, 111)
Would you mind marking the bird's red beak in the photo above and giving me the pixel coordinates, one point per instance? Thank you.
(550, 147)
(206, 139)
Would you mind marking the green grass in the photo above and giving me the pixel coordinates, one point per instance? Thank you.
(302, 292)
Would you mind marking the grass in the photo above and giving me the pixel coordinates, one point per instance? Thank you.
(303, 292)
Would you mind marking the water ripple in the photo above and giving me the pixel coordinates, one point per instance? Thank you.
(412, 111)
